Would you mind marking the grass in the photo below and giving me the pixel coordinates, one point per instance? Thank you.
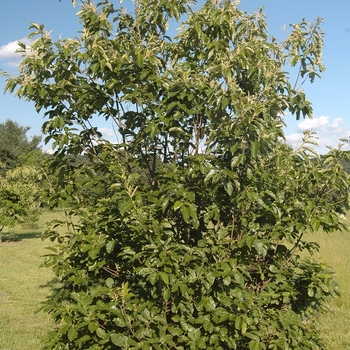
(335, 325)
(23, 286)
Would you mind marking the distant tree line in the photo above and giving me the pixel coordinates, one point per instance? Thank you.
(15, 145)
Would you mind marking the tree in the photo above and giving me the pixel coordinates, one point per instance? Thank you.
(19, 197)
(195, 241)
(14, 143)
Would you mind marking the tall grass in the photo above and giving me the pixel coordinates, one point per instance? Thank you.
(23, 286)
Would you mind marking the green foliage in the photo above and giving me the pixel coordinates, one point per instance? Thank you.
(194, 240)
(14, 144)
(19, 197)
(346, 165)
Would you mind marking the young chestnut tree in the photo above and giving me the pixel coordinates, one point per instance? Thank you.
(195, 241)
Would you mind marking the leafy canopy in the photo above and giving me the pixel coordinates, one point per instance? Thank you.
(194, 239)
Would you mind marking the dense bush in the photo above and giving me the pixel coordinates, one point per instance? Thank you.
(19, 197)
(197, 238)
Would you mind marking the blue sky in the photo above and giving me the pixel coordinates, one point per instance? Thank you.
(330, 95)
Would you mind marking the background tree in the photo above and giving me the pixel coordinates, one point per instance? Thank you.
(19, 197)
(15, 143)
(346, 165)
(195, 240)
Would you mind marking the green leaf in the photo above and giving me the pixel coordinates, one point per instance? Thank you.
(210, 175)
(110, 246)
(101, 333)
(208, 304)
(294, 60)
(254, 345)
(243, 326)
(166, 294)
(315, 224)
(140, 59)
(164, 276)
(93, 326)
(153, 278)
(72, 334)
(201, 343)
(119, 340)
(109, 282)
(176, 331)
(177, 205)
(194, 334)
(68, 320)
(186, 213)
(260, 247)
(228, 187)
(255, 148)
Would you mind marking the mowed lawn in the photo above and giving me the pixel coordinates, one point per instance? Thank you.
(335, 325)
(24, 285)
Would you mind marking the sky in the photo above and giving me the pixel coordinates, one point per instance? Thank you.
(330, 95)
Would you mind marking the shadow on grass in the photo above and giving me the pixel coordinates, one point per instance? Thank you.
(19, 236)
(53, 283)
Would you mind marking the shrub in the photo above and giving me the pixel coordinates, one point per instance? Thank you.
(195, 241)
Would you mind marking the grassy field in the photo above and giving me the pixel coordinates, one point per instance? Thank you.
(335, 324)
(23, 286)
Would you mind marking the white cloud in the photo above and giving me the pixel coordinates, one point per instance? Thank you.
(8, 51)
(336, 123)
(314, 124)
(328, 132)
(321, 124)
(294, 138)
(47, 150)
(107, 132)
